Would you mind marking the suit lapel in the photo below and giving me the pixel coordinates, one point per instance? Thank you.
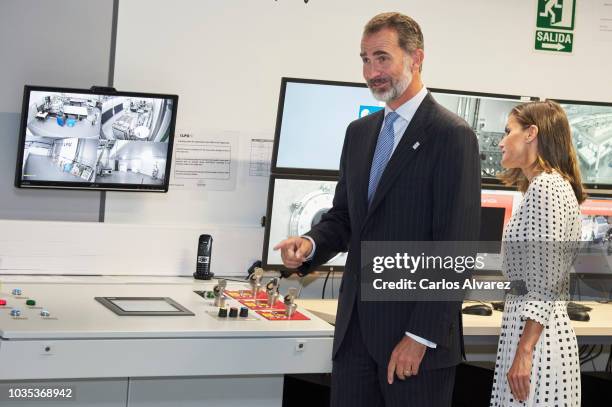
(411, 143)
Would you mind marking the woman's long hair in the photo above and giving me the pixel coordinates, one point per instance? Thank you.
(555, 148)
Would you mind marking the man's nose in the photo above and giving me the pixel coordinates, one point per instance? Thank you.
(372, 73)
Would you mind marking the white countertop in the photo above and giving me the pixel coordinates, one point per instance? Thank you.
(76, 314)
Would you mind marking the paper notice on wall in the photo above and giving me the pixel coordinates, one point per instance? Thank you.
(205, 160)
(605, 20)
(261, 156)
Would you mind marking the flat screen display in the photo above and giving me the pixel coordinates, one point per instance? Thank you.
(491, 224)
(596, 230)
(72, 138)
(313, 116)
(497, 206)
(487, 115)
(295, 205)
(145, 305)
(312, 122)
(595, 256)
(596, 220)
(591, 125)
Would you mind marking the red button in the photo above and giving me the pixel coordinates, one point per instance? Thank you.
(2, 302)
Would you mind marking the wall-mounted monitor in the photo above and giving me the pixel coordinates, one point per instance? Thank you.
(487, 114)
(313, 116)
(311, 123)
(295, 205)
(84, 139)
(591, 124)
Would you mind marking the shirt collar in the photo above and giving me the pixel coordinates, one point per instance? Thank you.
(408, 109)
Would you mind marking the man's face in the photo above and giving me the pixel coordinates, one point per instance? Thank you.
(386, 67)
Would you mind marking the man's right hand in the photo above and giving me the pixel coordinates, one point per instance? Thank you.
(294, 251)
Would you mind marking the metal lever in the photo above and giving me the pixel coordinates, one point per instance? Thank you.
(219, 292)
(290, 305)
(255, 281)
(272, 291)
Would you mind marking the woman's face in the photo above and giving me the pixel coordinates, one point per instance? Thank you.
(518, 146)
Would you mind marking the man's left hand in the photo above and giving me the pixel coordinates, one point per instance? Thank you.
(405, 359)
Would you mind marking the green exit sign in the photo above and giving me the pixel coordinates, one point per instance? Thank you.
(556, 14)
(554, 41)
(555, 21)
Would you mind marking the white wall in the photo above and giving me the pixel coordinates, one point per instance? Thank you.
(36, 247)
(225, 60)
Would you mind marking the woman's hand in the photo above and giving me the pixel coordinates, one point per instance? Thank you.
(520, 373)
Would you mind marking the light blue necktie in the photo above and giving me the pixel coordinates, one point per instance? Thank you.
(384, 148)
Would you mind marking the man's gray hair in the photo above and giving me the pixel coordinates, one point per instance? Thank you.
(408, 31)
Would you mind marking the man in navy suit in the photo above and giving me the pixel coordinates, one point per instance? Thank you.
(410, 172)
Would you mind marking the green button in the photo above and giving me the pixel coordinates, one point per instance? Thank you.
(30, 302)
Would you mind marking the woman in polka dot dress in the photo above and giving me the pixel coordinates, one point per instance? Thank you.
(537, 357)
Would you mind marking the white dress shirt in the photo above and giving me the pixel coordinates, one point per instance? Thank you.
(406, 113)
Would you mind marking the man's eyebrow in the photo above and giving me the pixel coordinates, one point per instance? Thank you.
(375, 53)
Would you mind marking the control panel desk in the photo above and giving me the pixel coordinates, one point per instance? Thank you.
(168, 360)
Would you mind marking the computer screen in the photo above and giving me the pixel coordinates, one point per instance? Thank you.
(313, 116)
(295, 204)
(487, 114)
(591, 124)
(491, 224)
(596, 220)
(506, 199)
(76, 138)
(312, 121)
(595, 255)
(497, 206)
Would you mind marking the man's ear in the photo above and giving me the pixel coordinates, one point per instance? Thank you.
(417, 59)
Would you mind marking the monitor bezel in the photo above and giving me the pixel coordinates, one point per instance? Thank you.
(92, 186)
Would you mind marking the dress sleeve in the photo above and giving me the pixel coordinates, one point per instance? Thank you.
(544, 249)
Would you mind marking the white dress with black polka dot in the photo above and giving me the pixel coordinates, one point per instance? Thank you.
(549, 212)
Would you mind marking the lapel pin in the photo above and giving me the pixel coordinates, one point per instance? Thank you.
(416, 145)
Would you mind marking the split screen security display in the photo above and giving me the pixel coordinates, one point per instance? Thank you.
(79, 138)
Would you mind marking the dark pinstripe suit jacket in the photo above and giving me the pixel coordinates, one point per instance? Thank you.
(428, 193)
